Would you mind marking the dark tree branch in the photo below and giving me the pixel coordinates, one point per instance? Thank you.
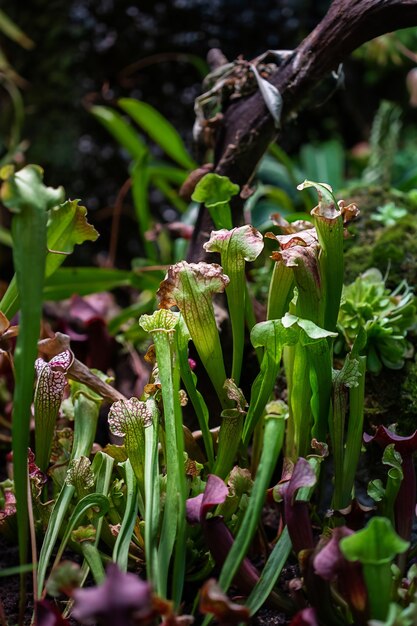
(248, 129)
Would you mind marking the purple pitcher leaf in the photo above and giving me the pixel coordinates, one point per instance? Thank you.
(329, 561)
(384, 436)
(306, 617)
(114, 603)
(302, 476)
(193, 509)
(215, 493)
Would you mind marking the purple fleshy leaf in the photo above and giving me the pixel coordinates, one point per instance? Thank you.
(302, 476)
(87, 318)
(193, 509)
(215, 493)
(384, 436)
(329, 561)
(306, 617)
(115, 601)
(405, 502)
(220, 541)
(331, 564)
(296, 511)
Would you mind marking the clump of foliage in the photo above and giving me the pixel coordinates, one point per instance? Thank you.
(163, 519)
(182, 507)
(386, 316)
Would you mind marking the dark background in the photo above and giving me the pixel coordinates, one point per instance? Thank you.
(88, 52)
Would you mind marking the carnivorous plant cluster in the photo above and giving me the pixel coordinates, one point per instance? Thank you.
(277, 415)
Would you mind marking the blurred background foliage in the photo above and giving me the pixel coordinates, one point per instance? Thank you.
(93, 52)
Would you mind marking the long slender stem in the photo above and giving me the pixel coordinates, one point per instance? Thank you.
(189, 379)
(331, 262)
(337, 432)
(299, 402)
(162, 327)
(29, 251)
(273, 439)
(86, 410)
(152, 495)
(234, 268)
(281, 291)
(163, 347)
(354, 432)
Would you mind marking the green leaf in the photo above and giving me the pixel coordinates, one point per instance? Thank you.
(392, 457)
(140, 175)
(376, 547)
(325, 161)
(85, 280)
(270, 572)
(5, 237)
(235, 247)
(272, 336)
(272, 444)
(162, 325)
(327, 202)
(122, 545)
(101, 507)
(281, 290)
(121, 131)
(86, 411)
(93, 561)
(190, 381)
(214, 190)
(13, 32)
(170, 173)
(67, 226)
(376, 490)
(152, 499)
(56, 520)
(376, 543)
(29, 199)
(26, 189)
(159, 129)
(190, 287)
(163, 321)
(311, 333)
(354, 379)
(18, 569)
(129, 418)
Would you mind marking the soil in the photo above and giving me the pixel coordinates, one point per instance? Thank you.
(9, 595)
(9, 586)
